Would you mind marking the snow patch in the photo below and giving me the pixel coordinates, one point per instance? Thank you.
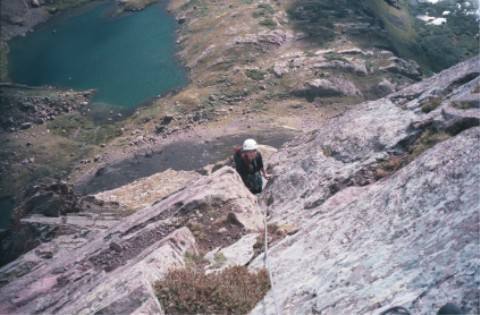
(431, 20)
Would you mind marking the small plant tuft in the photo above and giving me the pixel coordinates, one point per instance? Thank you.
(331, 56)
(466, 104)
(234, 290)
(268, 22)
(430, 104)
(255, 74)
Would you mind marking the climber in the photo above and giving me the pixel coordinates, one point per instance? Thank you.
(249, 164)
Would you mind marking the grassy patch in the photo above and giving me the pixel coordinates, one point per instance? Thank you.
(268, 22)
(82, 129)
(65, 4)
(234, 290)
(195, 261)
(425, 141)
(327, 150)
(331, 55)
(467, 104)
(430, 103)
(255, 74)
(263, 10)
(199, 7)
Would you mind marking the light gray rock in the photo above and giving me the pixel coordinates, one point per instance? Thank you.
(366, 244)
(410, 240)
(334, 86)
(357, 67)
(237, 254)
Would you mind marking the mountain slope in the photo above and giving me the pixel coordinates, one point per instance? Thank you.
(380, 208)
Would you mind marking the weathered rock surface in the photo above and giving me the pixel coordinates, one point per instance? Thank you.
(111, 270)
(143, 192)
(51, 209)
(328, 87)
(366, 242)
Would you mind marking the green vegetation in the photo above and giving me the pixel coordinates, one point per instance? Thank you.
(234, 290)
(59, 5)
(200, 7)
(79, 128)
(219, 259)
(255, 74)
(430, 104)
(53, 157)
(263, 10)
(466, 104)
(268, 22)
(194, 261)
(334, 56)
(327, 150)
(317, 19)
(427, 139)
(434, 47)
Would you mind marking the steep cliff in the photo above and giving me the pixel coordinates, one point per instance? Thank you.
(387, 202)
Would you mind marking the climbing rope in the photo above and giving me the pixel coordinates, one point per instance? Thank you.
(267, 264)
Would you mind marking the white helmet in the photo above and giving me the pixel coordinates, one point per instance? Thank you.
(249, 145)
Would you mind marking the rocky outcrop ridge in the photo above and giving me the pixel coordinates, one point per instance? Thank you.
(112, 270)
(386, 198)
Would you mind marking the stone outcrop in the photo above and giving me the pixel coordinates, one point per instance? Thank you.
(386, 198)
(111, 269)
(143, 192)
(328, 87)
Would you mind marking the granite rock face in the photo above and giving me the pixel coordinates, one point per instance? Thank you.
(387, 203)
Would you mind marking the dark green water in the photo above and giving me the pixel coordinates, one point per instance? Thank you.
(128, 59)
(6, 207)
